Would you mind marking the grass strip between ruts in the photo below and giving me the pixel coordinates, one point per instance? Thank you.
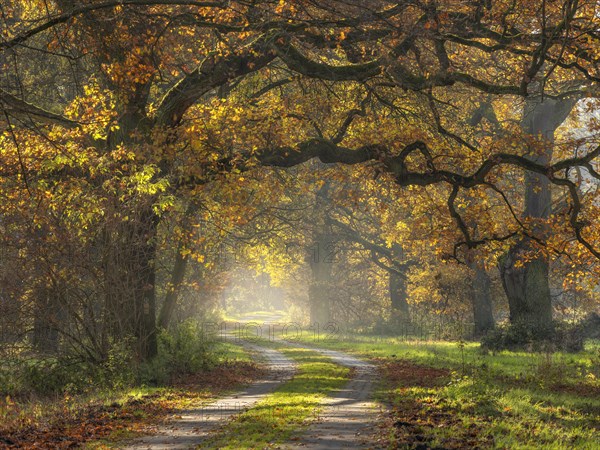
(288, 410)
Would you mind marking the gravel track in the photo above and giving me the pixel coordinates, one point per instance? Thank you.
(192, 426)
(349, 416)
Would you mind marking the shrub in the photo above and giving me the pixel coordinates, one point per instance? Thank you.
(69, 373)
(184, 350)
(523, 336)
(48, 376)
(118, 371)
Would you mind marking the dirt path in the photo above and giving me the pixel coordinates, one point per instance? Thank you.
(192, 426)
(347, 420)
(349, 416)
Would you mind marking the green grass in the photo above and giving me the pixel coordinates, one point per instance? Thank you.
(228, 351)
(289, 409)
(454, 355)
(249, 316)
(506, 400)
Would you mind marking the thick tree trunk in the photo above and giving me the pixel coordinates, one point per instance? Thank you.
(528, 291)
(398, 297)
(130, 267)
(524, 274)
(130, 278)
(481, 299)
(319, 292)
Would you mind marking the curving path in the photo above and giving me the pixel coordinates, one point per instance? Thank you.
(349, 416)
(193, 425)
(348, 419)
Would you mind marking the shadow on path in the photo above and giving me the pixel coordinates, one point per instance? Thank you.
(192, 426)
(349, 416)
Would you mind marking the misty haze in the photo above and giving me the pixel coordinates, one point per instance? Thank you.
(299, 224)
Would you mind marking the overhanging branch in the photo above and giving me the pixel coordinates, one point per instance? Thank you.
(15, 106)
(66, 16)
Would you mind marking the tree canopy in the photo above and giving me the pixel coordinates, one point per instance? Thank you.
(121, 120)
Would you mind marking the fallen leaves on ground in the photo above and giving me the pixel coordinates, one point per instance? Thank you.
(409, 421)
(95, 420)
(406, 373)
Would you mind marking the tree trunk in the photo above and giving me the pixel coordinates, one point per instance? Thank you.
(173, 289)
(321, 260)
(319, 292)
(146, 289)
(528, 291)
(525, 274)
(481, 299)
(130, 279)
(130, 267)
(398, 297)
(177, 276)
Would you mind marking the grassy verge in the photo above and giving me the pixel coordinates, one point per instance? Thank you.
(285, 412)
(452, 395)
(100, 418)
(255, 316)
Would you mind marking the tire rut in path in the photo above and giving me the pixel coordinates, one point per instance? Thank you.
(349, 416)
(194, 425)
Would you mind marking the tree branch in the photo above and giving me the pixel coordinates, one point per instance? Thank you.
(66, 16)
(213, 72)
(17, 107)
(297, 62)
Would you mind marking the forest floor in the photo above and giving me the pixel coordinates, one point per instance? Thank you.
(189, 427)
(315, 391)
(452, 395)
(98, 421)
(310, 398)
